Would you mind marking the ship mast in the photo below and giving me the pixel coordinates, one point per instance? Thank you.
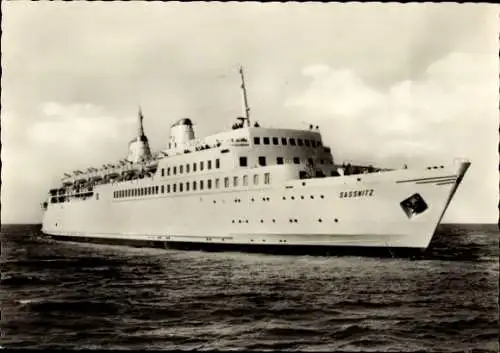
(245, 100)
(140, 131)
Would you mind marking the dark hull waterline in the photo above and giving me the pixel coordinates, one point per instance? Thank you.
(317, 250)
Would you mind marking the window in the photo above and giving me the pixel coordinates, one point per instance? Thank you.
(175, 170)
(209, 165)
(181, 167)
(174, 187)
(187, 168)
(194, 185)
(162, 171)
(209, 183)
(310, 161)
(217, 183)
(243, 162)
(163, 189)
(266, 140)
(187, 185)
(168, 171)
(262, 161)
(168, 189)
(194, 167)
(256, 179)
(180, 187)
(296, 160)
(201, 184)
(300, 142)
(201, 165)
(275, 141)
(267, 178)
(156, 189)
(217, 163)
(283, 141)
(279, 160)
(292, 142)
(313, 143)
(226, 182)
(245, 180)
(256, 140)
(235, 181)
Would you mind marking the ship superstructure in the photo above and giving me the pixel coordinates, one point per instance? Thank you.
(250, 188)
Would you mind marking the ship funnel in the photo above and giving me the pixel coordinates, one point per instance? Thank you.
(139, 150)
(181, 133)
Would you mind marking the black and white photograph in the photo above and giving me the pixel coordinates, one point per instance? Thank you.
(250, 176)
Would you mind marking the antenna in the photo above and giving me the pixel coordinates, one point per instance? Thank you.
(245, 100)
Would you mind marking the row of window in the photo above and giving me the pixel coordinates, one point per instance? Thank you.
(286, 141)
(191, 186)
(187, 167)
(279, 160)
(290, 220)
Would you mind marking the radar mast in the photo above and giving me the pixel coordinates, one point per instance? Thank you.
(245, 100)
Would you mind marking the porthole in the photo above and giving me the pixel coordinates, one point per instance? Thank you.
(322, 196)
(291, 220)
(303, 184)
(261, 221)
(320, 220)
(336, 220)
(239, 221)
(312, 196)
(274, 221)
(252, 199)
(302, 197)
(295, 220)
(293, 197)
(284, 198)
(233, 221)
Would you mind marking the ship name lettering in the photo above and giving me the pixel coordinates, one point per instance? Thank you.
(356, 193)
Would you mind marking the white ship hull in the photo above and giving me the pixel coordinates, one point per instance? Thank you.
(361, 211)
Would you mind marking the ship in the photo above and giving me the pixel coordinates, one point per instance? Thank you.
(252, 189)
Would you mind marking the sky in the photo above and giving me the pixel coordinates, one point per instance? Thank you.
(388, 84)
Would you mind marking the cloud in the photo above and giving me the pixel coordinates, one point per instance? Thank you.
(411, 116)
(77, 126)
(450, 113)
